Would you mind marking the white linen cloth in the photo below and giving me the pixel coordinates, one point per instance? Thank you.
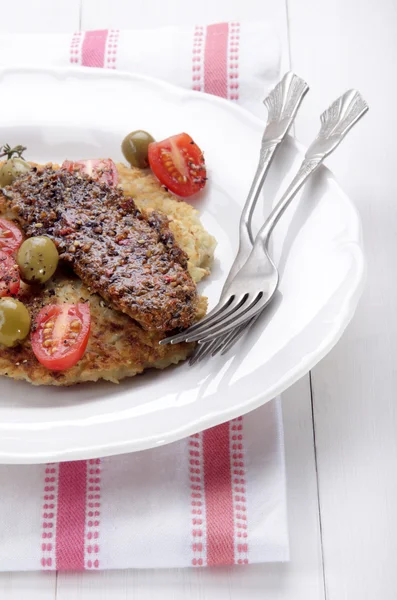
(191, 503)
(217, 497)
(191, 57)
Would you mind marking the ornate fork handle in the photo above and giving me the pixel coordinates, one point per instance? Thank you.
(282, 104)
(336, 121)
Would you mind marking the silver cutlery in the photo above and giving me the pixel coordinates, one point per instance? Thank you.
(250, 288)
(282, 105)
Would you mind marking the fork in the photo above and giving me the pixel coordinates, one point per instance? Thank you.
(225, 342)
(282, 104)
(254, 285)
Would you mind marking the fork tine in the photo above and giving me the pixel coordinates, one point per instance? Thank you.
(181, 337)
(208, 348)
(222, 342)
(234, 335)
(238, 333)
(200, 335)
(217, 344)
(238, 317)
(198, 353)
(204, 350)
(199, 330)
(234, 338)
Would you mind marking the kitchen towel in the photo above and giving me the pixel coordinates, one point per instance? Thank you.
(217, 497)
(240, 62)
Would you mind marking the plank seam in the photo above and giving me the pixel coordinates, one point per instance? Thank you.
(318, 489)
(80, 15)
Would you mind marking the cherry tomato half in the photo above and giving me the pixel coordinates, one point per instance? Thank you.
(9, 275)
(178, 163)
(10, 236)
(60, 335)
(104, 170)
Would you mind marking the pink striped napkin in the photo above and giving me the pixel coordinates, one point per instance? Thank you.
(217, 497)
(240, 62)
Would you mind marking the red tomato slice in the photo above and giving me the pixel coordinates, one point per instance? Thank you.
(104, 170)
(178, 163)
(10, 236)
(60, 335)
(9, 275)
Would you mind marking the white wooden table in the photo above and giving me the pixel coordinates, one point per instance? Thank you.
(341, 421)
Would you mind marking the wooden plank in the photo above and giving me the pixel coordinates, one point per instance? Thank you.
(300, 579)
(336, 45)
(40, 16)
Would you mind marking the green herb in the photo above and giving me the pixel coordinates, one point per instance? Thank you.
(7, 151)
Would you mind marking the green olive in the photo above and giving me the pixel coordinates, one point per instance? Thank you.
(37, 259)
(135, 148)
(14, 322)
(12, 169)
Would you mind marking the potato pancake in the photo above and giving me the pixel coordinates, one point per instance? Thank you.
(118, 347)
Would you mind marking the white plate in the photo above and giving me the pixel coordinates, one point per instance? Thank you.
(75, 114)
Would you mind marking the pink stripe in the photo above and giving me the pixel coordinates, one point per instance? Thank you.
(239, 490)
(218, 496)
(197, 67)
(70, 530)
(216, 441)
(49, 516)
(196, 494)
(234, 48)
(93, 513)
(93, 51)
(112, 49)
(75, 47)
(215, 59)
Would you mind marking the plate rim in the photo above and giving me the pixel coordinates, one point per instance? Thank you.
(346, 312)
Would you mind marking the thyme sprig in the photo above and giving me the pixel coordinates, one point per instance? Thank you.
(9, 152)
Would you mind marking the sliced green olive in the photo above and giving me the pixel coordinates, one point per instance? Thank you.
(37, 259)
(14, 322)
(135, 148)
(12, 169)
